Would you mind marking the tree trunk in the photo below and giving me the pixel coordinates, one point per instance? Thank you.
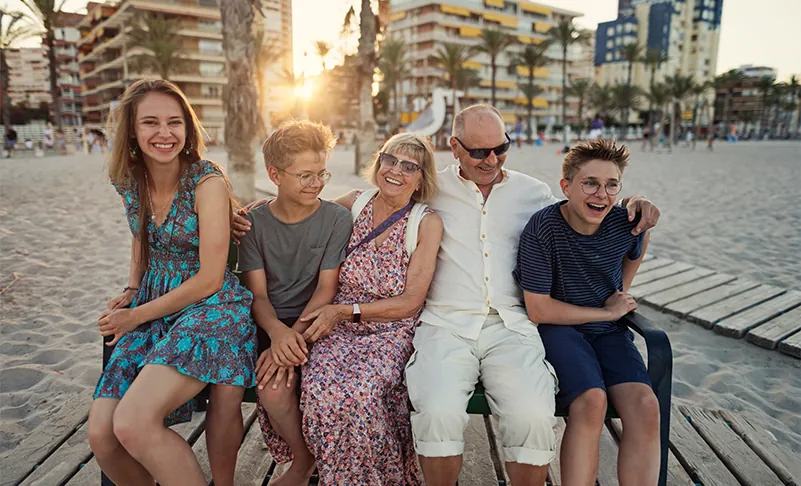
(367, 30)
(240, 97)
(624, 129)
(672, 134)
(55, 106)
(564, 94)
(651, 102)
(530, 107)
(493, 68)
(580, 118)
(6, 99)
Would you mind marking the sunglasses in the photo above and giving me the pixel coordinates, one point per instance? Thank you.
(483, 153)
(389, 161)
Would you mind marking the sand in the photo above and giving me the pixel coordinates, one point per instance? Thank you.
(64, 250)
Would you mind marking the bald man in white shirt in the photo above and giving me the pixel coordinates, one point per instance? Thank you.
(475, 322)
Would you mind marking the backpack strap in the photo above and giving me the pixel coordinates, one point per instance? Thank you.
(361, 202)
(415, 217)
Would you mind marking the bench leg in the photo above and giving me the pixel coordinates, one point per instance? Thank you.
(494, 453)
(104, 480)
(663, 392)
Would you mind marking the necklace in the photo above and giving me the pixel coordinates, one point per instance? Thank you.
(150, 198)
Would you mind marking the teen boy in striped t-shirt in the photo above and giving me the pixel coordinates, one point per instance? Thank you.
(575, 261)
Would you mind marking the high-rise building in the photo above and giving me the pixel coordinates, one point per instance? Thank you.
(29, 81)
(276, 25)
(107, 58)
(67, 36)
(425, 25)
(686, 31)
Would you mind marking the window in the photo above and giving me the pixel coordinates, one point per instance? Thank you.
(209, 91)
(208, 24)
(210, 46)
(619, 28)
(610, 44)
(212, 68)
(610, 31)
(608, 56)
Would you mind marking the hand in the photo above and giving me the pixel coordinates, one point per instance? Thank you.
(288, 347)
(116, 322)
(266, 368)
(649, 212)
(619, 304)
(122, 301)
(239, 225)
(325, 318)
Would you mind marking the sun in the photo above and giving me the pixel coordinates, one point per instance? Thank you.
(305, 90)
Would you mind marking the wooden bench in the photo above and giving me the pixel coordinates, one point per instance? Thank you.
(660, 370)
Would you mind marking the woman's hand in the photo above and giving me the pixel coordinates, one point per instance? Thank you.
(325, 318)
(288, 347)
(123, 300)
(266, 368)
(239, 225)
(117, 322)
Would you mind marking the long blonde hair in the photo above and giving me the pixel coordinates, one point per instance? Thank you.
(124, 167)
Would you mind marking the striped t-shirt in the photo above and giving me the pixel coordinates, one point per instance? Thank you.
(582, 270)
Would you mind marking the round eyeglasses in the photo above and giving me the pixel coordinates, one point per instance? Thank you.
(592, 187)
(307, 178)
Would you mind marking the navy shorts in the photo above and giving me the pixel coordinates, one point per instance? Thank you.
(586, 360)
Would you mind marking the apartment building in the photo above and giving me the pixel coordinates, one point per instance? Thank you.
(67, 36)
(424, 25)
(28, 81)
(107, 60)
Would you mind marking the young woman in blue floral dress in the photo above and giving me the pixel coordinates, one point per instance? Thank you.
(183, 321)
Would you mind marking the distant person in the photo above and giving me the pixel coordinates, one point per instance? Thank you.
(596, 127)
(710, 141)
(575, 262)
(646, 136)
(47, 137)
(518, 133)
(29, 144)
(11, 141)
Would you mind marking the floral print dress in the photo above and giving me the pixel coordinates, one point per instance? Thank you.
(212, 340)
(354, 403)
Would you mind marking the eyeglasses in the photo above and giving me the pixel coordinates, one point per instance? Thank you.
(389, 161)
(307, 178)
(591, 187)
(483, 153)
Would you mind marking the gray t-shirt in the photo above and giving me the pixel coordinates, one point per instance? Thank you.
(292, 255)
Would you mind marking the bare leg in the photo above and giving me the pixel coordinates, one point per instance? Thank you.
(113, 459)
(283, 409)
(441, 471)
(638, 459)
(139, 425)
(579, 457)
(526, 474)
(224, 432)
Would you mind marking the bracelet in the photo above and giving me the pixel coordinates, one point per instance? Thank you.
(129, 288)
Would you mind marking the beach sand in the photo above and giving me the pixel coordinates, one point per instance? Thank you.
(64, 251)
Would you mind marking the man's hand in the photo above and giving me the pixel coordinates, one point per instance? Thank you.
(325, 318)
(116, 322)
(649, 212)
(288, 347)
(266, 368)
(619, 304)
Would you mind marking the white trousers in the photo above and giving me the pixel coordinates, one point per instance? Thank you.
(520, 387)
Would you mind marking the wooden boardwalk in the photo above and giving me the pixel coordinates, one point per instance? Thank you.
(708, 448)
(764, 315)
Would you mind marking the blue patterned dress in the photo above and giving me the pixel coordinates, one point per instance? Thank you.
(213, 340)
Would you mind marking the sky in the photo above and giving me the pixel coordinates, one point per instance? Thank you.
(756, 32)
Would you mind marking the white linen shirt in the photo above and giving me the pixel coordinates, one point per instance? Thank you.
(479, 250)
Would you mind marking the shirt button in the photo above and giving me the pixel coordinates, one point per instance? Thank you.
(486, 255)
(483, 236)
(483, 212)
(486, 279)
(477, 191)
(488, 302)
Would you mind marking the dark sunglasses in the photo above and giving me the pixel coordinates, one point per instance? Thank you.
(389, 161)
(483, 153)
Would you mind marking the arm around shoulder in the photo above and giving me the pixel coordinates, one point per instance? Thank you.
(346, 200)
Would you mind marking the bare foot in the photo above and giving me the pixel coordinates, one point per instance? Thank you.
(298, 473)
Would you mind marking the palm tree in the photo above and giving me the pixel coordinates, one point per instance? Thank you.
(367, 61)
(493, 43)
(679, 87)
(467, 79)
(240, 96)
(12, 30)
(293, 81)
(601, 98)
(531, 58)
(46, 13)
(565, 34)
(796, 87)
(159, 37)
(580, 88)
(653, 60)
(700, 103)
(323, 48)
(657, 96)
(451, 57)
(765, 85)
(624, 98)
(268, 51)
(631, 53)
(728, 81)
(394, 65)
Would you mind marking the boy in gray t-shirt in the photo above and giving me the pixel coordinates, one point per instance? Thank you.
(291, 259)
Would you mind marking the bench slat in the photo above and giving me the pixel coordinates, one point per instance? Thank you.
(683, 291)
(676, 475)
(791, 345)
(737, 325)
(607, 459)
(554, 471)
(770, 333)
(478, 468)
(653, 264)
(710, 315)
(254, 461)
(660, 273)
(746, 466)
(703, 299)
(201, 450)
(695, 455)
(64, 462)
(641, 290)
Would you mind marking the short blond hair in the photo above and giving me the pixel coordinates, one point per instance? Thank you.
(293, 138)
(414, 146)
(598, 149)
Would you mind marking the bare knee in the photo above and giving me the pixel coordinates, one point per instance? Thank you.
(647, 411)
(133, 428)
(278, 397)
(225, 402)
(100, 430)
(590, 406)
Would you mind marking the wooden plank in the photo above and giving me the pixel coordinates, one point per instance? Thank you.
(554, 471)
(676, 475)
(737, 325)
(641, 290)
(89, 474)
(708, 297)
(791, 345)
(254, 460)
(727, 307)
(769, 334)
(607, 459)
(686, 290)
(746, 466)
(779, 459)
(478, 468)
(659, 273)
(647, 257)
(493, 440)
(653, 264)
(201, 450)
(695, 455)
(64, 462)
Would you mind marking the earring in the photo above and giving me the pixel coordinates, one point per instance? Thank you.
(187, 149)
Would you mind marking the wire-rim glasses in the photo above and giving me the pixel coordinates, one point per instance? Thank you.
(307, 178)
(591, 187)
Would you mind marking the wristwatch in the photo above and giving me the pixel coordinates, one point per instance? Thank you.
(357, 314)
